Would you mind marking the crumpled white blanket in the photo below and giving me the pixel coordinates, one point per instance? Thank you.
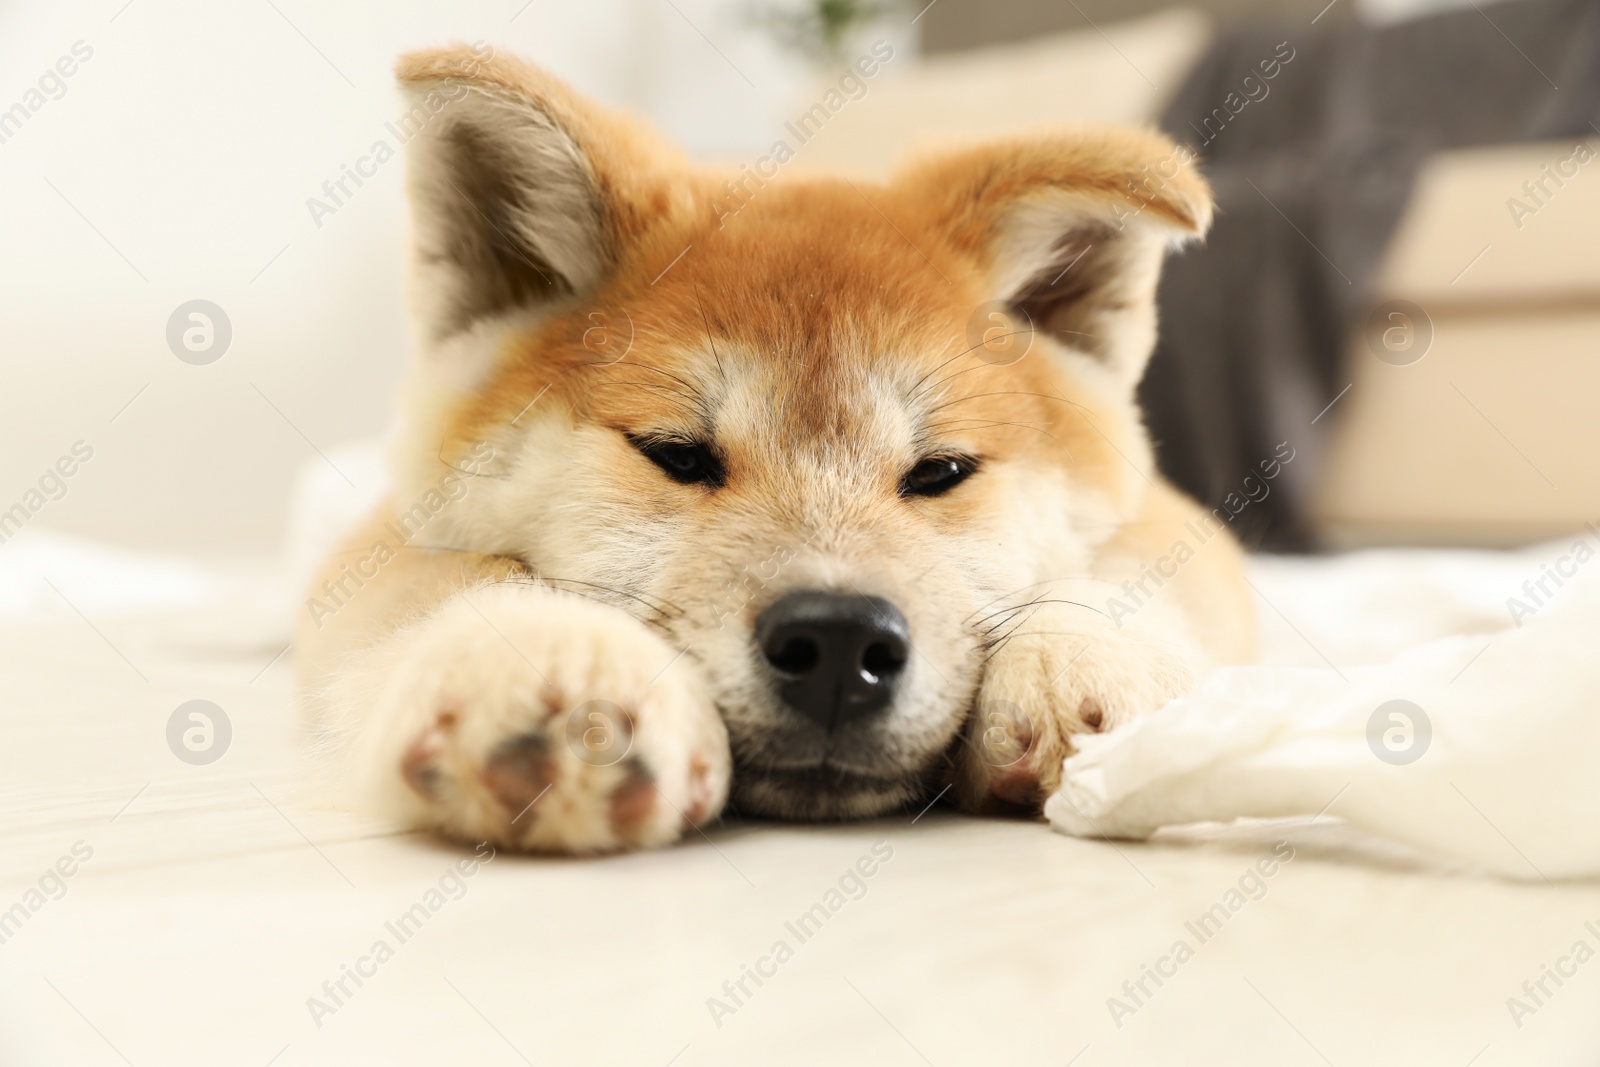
(1491, 758)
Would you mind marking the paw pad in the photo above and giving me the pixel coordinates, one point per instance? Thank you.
(699, 791)
(633, 800)
(1090, 714)
(1017, 787)
(519, 770)
(420, 764)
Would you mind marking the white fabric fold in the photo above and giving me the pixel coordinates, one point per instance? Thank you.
(1499, 769)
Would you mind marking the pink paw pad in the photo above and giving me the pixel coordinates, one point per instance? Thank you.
(1019, 787)
(1090, 714)
(634, 800)
(699, 791)
(420, 764)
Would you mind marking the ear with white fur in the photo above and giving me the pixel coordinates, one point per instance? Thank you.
(522, 193)
(1071, 230)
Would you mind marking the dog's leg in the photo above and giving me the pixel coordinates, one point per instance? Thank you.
(1065, 671)
(1072, 668)
(466, 698)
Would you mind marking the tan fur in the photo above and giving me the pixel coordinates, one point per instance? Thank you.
(823, 338)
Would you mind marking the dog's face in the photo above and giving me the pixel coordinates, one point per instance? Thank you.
(825, 445)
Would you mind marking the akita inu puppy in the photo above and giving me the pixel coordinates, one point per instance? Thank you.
(773, 509)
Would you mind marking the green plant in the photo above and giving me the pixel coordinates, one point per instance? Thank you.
(820, 29)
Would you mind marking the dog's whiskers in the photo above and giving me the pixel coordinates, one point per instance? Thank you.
(1036, 601)
(463, 471)
(662, 606)
(916, 387)
(1007, 611)
(654, 370)
(693, 394)
(991, 649)
(936, 388)
(692, 402)
(715, 355)
(978, 424)
(1005, 392)
(664, 610)
(1032, 585)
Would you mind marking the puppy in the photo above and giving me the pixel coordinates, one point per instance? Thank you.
(818, 510)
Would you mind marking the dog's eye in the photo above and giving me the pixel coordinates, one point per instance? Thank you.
(937, 474)
(687, 462)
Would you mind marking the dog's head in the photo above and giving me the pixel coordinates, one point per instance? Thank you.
(823, 435)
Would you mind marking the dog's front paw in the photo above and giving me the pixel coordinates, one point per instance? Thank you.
(1040, 689)
(543, 722)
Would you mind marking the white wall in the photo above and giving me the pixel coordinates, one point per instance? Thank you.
(177, 165)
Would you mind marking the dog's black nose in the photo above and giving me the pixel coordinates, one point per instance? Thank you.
(835, 658)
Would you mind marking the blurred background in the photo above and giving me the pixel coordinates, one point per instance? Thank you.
(1402, 283)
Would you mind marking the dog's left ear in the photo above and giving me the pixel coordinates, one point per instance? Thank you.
(523, 194)
(1070, 229)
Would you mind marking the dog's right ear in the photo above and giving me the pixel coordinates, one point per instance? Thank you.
(522, 193)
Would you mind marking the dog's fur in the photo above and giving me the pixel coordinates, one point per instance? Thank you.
(821, 343)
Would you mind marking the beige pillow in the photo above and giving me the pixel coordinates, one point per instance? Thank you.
(1122, 72)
